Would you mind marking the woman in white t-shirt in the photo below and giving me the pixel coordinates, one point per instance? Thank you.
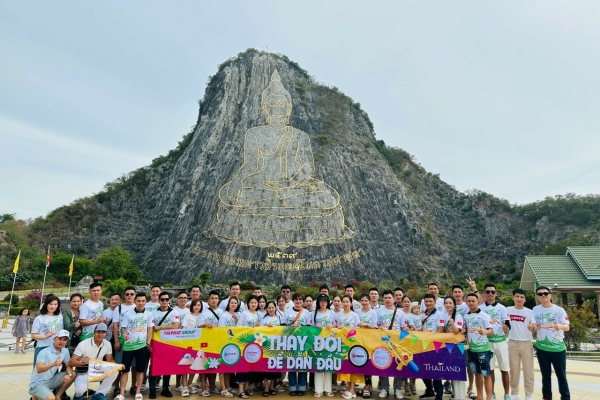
(349, 319)
(227, 319)
(297, 316)
(322, 318)
(248, 318)
(454, 323)
(46, 324)
(262, 305)
(271, 319)
(368, 320)
(190, 321)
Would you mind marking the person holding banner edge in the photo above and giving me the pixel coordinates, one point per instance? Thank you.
(94, 348)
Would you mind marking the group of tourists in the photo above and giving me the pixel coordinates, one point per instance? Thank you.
(496, 337)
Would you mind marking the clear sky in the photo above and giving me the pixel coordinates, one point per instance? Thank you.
(499, 96)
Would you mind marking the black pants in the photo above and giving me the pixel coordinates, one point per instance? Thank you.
(434, 385)
(557, 360)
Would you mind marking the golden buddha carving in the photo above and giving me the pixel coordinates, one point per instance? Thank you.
(274, 199)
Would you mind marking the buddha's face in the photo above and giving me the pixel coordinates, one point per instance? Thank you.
(277, 108)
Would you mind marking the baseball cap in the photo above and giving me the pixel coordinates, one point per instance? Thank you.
(63, 333)
(101, 327)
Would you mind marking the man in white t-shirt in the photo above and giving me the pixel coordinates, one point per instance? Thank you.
(498, 343)
(136, 329)
(90, 313)
(154, 303)
(118, 313)
(94, 348)
(164, 318)
(286, 292)
(114, 302)
(374, 298)
(195, 293)
(433, 289)
(234, 291)
(520, 350)
(551, 324)
(209, 318)
(389, 317)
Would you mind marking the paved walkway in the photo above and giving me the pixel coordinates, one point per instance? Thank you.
(15, 371)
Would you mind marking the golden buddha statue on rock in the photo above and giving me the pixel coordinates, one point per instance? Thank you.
(274, 199)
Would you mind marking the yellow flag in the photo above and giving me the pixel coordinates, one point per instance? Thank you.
(71, 266)
(16, 268)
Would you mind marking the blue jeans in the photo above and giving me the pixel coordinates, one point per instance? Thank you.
(479, 362)
(297, 381)
(558, 361)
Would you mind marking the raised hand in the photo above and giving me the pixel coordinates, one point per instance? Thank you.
(472, 284)
(58, 361)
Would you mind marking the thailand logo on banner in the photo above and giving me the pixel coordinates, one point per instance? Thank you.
(308, 348)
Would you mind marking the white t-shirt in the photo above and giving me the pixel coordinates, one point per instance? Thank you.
(439, 305)
(473, 322)
(226, 319)
(289, 304)
(519, 322)
(336, 316)
(303, 319)
(549, 339)
(248, 319)
(150, 306)
(369, 317)
(497, 313)
(158, 315)
(432, 322)
(415, 321)
(349, 320)
(88, 311)
(182, 312)
(108, 314)
(120, 311)
(43, 324)
(384, 319)
(462, 309)
(88, 348)
(323, 319)
(458, 321)
(223, 305)
(136, 324)
(208, 316)
(190, 321)
(274, 321)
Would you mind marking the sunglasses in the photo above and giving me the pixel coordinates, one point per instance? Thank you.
(165, 299)
(285, 291)
(129, 294)
(490, 292)
(543, 293)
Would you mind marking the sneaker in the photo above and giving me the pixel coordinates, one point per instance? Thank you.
(493, 396)
(508, 397)
(179, 388)
(383, 393)
(192, 389)
(119, 397)
(167, 393)
(427, 395)
(216, 390)
(407, 392)
(398, 394)
(185, 392)
(143, 388)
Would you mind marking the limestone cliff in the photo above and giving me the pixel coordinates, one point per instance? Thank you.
(404, 221)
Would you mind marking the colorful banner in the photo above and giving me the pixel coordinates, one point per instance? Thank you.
(308, 348)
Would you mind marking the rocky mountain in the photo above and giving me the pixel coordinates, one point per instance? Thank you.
(282, 178)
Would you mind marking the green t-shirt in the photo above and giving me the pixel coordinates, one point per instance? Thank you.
(137, 325)
(498, 315)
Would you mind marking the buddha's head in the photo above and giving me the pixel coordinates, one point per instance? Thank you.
(276, 101)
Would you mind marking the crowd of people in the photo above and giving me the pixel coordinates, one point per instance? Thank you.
(497, 338)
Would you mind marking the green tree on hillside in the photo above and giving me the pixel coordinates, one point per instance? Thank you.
(117, 263)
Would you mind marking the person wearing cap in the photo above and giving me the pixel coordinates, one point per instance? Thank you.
(45, 376)
(94, 348)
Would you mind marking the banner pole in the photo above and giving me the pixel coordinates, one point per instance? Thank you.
(44, 282)
(11, 293)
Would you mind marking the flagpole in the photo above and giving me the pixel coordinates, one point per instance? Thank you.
(45, 272)
(71, 274)
(14, 280)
